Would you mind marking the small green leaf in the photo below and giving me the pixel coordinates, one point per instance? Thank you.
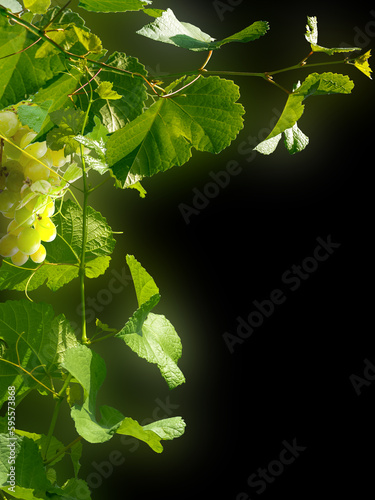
(113, 5)
(168, 29)
(12, 5)
(105, 91)
(312, 37)
(37, 6)
(69, 122)
(158, 343)
(144, 284)
(34, 115)
(167, 429)
(361, 62)
(131, 427)
(51, 446)
(314, 85)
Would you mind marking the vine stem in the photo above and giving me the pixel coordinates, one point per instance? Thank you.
(86, 193)
(63, 450)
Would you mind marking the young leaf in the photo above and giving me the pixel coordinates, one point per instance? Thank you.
(63, 253)
(312, 37)
(105, 91)
(88, 368)
(113, 5)
(69, 122)
(115, 115)
(36, 339)
(361, 62)
(144, 284)
(158, 343)
(205, 117)
(168, 29)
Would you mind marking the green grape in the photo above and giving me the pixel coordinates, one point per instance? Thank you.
(58, 158)
(13, 165)
(24, 217)
(9, 123)
(39, 256)
(49, 208)
(27, 138)
(14, 181)
(46, 229)
(14, 228)
(19, 259)
(8, 245)
(36, 171)
(7, 200)
(2, 178)
(28, 241)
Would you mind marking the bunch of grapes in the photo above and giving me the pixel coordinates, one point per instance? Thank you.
(23, 164)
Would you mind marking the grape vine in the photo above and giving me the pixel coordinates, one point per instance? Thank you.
(69, 122)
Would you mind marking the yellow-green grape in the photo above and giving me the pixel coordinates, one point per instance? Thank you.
(7, 200)
(8, 245)
(58, 158)
(9, 123)
(49, 208)
(46, 229)
(14, 181)
(39, 256)
(24, 217)
(14, 228)
(21, 138)
(27, 138)
(19, 259)
(35, 171)
(13, 165)
(28, 241)
(2, 178)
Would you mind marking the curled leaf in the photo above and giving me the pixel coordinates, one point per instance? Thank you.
(362, 64)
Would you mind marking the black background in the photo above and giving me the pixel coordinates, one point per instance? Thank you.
(291, 379)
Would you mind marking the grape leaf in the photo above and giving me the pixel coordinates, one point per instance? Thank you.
(131, 427)
(168, 429)
(105, 91)
(115, 114)
(205, 117)
(47, 448)
(34, 115)
(113, 5)
(168, 29)
(69, 122)
(37, 6)
(158, 343)
(32, 333)
(312, 37)
(314, 85)
(30, 477)
(60, 266)
(11, 5)
(88, 368)
(21, 75)
(144, 284)
(361, 62)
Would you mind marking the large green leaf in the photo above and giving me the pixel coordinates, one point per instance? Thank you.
(36, 339)
(168, 29)
(60, 266)
(21, 74)
(205, 116)
(113, 5)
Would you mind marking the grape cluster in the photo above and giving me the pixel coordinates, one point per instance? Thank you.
(22, 164)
